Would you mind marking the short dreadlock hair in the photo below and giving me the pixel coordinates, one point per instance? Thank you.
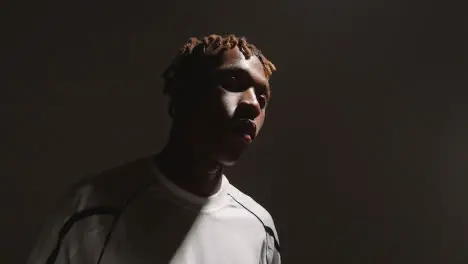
(197, 54)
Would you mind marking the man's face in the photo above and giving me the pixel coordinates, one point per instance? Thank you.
(230, 111)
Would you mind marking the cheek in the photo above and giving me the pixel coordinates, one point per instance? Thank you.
(229, 102)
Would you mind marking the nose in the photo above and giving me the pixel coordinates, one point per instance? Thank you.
(248, 106)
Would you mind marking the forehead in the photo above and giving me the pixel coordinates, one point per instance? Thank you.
(234, 59)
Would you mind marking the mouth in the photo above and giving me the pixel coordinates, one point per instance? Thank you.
(246, 129)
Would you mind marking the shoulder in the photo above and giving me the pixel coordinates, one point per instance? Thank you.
(104, 196)
(255, 208)
(111, 187)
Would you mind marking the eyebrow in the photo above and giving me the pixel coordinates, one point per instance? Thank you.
(240, 71)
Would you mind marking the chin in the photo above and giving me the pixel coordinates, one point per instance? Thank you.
(227, 163)
(228, 160)
(231, 152)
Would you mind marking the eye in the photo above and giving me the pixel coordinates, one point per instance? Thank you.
(231, 83)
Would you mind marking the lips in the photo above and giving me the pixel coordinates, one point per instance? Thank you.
(245, 127)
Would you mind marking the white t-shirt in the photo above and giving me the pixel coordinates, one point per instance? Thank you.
(133, 214)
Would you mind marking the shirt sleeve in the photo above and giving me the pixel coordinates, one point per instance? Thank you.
(273, 255)
(70, 236)
(77, 231)
(46, 244)
(45, 247)
(276, 257)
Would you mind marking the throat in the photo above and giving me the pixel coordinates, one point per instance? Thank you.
(202, 179)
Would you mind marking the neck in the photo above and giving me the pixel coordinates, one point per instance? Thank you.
(194, 173)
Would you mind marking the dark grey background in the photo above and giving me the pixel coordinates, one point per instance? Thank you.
(363, 158)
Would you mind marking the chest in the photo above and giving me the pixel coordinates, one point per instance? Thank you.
(178, 236)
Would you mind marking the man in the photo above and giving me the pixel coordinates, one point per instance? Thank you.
(178, 206)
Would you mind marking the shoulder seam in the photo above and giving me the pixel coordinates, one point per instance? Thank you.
(78, 216)
(268, 229)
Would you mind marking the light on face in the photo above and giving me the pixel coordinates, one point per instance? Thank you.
(230, 101)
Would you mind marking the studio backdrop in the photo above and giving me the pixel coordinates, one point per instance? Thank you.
(363, 156)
